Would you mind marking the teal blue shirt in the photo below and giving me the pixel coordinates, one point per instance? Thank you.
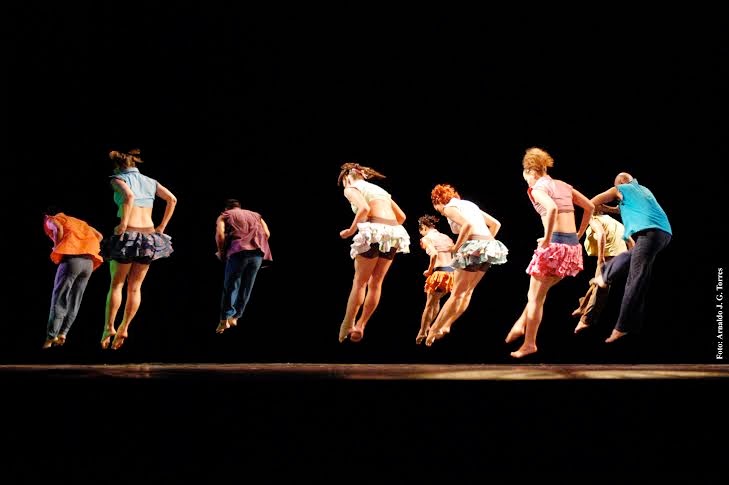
(144, 188)
(640, 210)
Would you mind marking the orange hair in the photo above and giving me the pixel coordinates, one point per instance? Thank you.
(443, 193)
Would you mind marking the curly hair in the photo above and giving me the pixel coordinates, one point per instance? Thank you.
(365, 172)
(537, 160)
(428, 220)
(126, 159)
(443, 193)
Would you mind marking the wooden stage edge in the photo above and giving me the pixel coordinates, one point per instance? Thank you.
(274, 371)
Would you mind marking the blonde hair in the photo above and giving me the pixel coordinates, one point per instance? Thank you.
(364, 172)
(537, 160)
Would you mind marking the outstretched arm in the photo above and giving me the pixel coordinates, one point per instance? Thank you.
(609, 209)
(609, 195)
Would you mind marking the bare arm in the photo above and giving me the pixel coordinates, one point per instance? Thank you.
(399, 214)
(220, 237)
(580, 200)
(56, 230)
(609, 195)
(492, 223)
(427, 244)
(171, 200)
(466, 228)
(608, 209)
(356, 198)
(122, 187)
(600, 237)
(550, 218)
(265, 228)
(630, 242)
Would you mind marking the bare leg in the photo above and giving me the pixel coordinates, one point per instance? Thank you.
(430, 312)
(374, 290)
(538, 288)
(463, 285)
(119, 274)
(363, 269)
(134, 299)
(517, 330)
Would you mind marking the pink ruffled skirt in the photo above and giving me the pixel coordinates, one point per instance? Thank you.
(558, 259)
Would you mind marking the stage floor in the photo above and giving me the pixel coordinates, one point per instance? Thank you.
(362, 423)
(254, 371)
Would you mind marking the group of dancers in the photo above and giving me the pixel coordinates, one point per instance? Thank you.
(456, 268)
(377, 235)
(241, 237)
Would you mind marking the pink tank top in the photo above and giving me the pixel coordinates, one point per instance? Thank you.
(559, 191)
(441, 242)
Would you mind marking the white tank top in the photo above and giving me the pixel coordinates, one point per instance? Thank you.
(370, 192)
(472, 214)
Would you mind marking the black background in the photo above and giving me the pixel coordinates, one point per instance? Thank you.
(230, 101)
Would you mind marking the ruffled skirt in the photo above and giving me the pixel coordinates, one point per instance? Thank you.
(557, 259)
(439, 282)
(480, 252)
(136, 247)
(385, 236)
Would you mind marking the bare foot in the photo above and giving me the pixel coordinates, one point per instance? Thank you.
(516, 332)
(614, 336)
(422, 335)
(581, 325)
(48, 343)
(523, 351)
(223, 326)
(106, 337)
(344, 330)
(59, 341)
(356, 334)
(118, 341)
(434, 335)
(577, 313)
(597, 280)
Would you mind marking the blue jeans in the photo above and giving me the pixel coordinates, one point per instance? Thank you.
(637, 262)
(72, 275)
(241, 269)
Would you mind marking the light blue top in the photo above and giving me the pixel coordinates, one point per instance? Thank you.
(144, 188)
(640, 210)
